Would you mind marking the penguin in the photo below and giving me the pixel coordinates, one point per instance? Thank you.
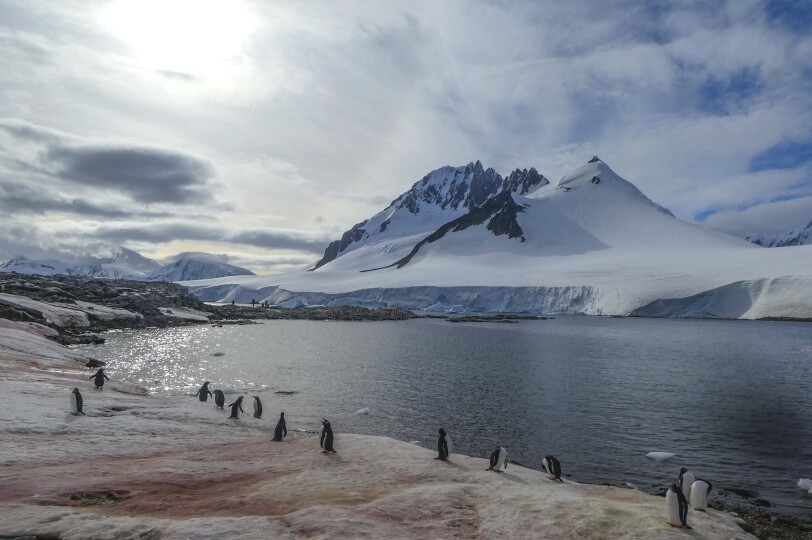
(281, 429)
(552, 466)
(676, 507)
(686, 478)
(237, 405)
(700, 490)
(76, 402)
(204, 393)
(443, 446)
(326, 437)
(498, 459)
(257, 407)
(99, 376)
(219, 398)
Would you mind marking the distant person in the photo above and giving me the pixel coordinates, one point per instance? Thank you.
(253, 302)
(281, 429)
(233, 302)
(99, 378)
(236, 406)
(204, 393)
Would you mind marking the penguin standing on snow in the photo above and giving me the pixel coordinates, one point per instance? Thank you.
(498, 459)
(444, 447)
(326, 437)
(281, 429)
(676, 507)
(219, 398)
(700, 490)
(99, 376)
(686, 479)
(552, 466)
(236, 406)
(257, 407)
(204, 393)
(76, 402)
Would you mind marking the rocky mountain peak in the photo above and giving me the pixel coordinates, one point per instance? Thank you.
(440, 196)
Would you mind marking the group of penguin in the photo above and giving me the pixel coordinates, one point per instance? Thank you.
(326, 438)
(688, 490)
(76, 401)
(498, 461)
(679, 494)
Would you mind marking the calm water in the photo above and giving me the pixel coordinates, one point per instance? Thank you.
(732, 399)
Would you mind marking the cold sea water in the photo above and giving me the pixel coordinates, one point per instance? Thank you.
(733, 399)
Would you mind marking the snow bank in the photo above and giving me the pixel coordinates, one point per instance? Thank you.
(137, 466)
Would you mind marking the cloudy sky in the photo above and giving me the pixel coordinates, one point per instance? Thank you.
(261, 130)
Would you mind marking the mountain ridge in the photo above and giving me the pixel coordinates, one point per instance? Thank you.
(440, 196)
(125, 263)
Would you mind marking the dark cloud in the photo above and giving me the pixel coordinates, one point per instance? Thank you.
(168, 232)
(21, 199)
(147, 175)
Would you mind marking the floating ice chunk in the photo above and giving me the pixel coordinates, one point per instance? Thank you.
(363, 411)
(805, 483)
(218, 353)
(633, 486)
(660, 456)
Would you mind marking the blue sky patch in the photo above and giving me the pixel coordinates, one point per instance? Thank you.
(723, 96)
(795, 15)
(783, 156)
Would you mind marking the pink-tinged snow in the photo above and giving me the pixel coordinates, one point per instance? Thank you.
(610, 248)
(137, 466)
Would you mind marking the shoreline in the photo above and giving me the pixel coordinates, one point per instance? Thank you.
(176, 468)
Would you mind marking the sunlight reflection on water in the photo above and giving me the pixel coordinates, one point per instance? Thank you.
(731, 398)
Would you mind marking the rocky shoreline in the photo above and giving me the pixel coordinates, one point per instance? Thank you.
(78, 308)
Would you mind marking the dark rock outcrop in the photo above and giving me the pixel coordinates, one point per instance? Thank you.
(500, 212)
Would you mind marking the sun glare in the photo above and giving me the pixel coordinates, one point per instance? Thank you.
(203, 38)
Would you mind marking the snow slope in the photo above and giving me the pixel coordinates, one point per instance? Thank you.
(591, 243)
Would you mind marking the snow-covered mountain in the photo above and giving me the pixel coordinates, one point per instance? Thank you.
(191, 266)
(801, 237)
(128, 264)
(123, 264)
(442, 195)
(590, 243)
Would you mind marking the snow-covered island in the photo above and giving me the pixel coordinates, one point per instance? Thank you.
(136, 466)
(467, 239)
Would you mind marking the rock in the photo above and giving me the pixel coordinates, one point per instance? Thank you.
(93, 363)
